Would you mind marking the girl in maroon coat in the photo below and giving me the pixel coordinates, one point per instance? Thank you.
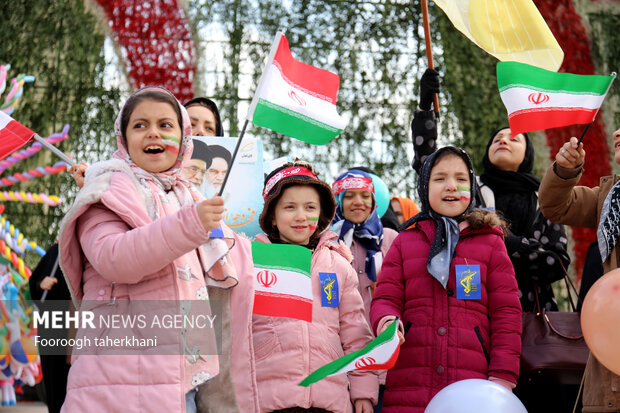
(450, 279)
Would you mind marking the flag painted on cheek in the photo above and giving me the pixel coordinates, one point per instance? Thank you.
(172, 143)
(313, 223)
(464, 192)
(367, 205)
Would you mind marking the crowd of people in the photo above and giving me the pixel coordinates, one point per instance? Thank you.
(454, 272)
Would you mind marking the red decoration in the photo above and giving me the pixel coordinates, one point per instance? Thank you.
(156, 43)
(570, 33)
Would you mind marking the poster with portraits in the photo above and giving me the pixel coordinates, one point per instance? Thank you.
(243, 191)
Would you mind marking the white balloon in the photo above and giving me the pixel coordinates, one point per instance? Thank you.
(475, 396)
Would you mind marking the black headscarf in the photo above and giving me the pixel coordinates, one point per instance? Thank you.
(209, 104)
(447, 234)
(515, 192)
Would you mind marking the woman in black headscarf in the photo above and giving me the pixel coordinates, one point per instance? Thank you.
(537, 247)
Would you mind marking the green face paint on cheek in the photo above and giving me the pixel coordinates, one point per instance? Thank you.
(464, 192)
(313, 223)
(172, 143)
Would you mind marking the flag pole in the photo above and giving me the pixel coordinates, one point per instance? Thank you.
(429, 50)
(234, 155)
(54, 149)
(613, 74)
(272, 53)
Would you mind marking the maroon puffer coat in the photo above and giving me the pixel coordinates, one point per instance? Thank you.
(442, 345)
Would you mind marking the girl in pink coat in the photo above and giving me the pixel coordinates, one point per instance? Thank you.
(298, 210)
(134, 234)
(450, 279)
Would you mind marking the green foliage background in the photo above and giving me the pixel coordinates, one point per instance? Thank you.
(59, 43)
(376, 46)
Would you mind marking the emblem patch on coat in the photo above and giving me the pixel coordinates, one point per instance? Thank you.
(329, 289)
(468, 282)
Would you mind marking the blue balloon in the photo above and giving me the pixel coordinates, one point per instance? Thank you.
(382, 194)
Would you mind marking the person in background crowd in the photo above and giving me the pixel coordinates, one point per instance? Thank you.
(205, 117)
(404, 208)
(48, 276)
(564, 202)
(358, 225)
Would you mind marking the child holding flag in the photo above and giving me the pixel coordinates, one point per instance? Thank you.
(133, 234)
(298, 210)
(450, 278)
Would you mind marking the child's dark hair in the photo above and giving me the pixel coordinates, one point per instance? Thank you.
(449, 151)
(149, 94)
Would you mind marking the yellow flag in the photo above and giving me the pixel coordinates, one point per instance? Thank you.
(510, 30)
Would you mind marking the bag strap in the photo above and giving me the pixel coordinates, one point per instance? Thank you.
(583, 377)
(570, 286)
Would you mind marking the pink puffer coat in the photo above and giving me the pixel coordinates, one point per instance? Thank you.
(288, 350)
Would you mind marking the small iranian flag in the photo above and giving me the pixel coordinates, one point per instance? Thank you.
(13, 135)
(540, 99)
(295, 98)
(283, 286)
(380, 354)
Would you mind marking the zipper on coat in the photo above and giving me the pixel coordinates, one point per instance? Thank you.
(484, 350)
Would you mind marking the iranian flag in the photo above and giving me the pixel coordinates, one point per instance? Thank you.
(295, 98)
(540, 99)
(283, 286)
(13, 135)
(380, 354)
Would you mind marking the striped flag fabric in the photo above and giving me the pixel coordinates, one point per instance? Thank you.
(509, 30)
(295, 98)
(539, 99)
(380, 354)
(283, 285)
(13, 135)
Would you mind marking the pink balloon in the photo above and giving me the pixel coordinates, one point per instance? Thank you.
(600, 318)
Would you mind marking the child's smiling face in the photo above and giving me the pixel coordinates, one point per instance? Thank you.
(449, 186)
(153, 136)
(357, 205)
(296, 214)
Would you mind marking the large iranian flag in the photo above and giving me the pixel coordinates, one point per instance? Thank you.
(540, 99)
(283, 285)
(13, 135)
(380, 354)
(295, 98)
